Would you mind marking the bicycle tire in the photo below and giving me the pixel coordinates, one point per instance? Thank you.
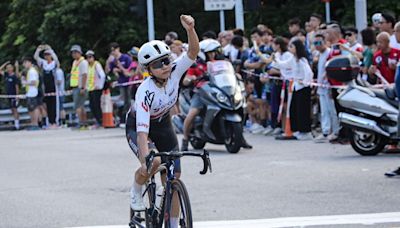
(185, 218)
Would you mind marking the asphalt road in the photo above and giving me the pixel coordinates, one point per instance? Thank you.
(65, 178)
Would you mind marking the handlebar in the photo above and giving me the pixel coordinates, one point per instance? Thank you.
(205, 156)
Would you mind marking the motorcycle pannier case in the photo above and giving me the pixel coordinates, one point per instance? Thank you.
(342, 68)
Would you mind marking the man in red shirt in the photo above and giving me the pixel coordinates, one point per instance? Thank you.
(385, 59)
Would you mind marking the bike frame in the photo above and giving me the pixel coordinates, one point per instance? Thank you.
(158, 217)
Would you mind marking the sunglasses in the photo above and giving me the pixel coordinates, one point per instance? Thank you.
(348, 34)
(158, 64)
(317, 43)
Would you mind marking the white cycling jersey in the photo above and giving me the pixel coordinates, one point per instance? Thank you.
(152, 102)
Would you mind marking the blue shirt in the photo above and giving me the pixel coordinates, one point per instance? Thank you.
(253, 57)
(125, 61)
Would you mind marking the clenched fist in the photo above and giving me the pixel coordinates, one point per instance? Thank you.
(187, 22)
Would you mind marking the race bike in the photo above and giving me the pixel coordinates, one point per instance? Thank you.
(221, 120)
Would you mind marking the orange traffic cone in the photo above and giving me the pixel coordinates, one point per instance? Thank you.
(107, 109)
(288, 134)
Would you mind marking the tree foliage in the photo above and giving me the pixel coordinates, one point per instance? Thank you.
(93, 24)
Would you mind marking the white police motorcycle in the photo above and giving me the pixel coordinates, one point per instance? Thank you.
(221, 121)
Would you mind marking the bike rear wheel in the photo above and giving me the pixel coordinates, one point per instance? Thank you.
(185, 211)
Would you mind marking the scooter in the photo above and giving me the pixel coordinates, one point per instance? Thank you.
(371, 114)
(221, 121)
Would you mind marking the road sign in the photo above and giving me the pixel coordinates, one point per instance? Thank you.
(216, 5)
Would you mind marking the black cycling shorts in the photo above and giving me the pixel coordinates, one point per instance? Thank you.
(161, 133)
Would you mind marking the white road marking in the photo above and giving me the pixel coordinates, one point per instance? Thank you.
(363, 219)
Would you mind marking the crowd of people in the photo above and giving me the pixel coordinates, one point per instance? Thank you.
(271, 65)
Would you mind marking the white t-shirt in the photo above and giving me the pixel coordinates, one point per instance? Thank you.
(32, 75)
(394, 43)
(286, 72)
(60, 77)
(231, 52)
(152, 102)
(301, 71)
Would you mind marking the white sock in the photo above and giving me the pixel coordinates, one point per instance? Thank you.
(47, 121)
(174, 222)
(16, 123)
(136, 188)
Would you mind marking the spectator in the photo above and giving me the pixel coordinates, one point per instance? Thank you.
(376, 19)
(134, 71)
(294, 26)
(209, 35)
(60, 88)
(338, 46)
(48, 65)
(385, 59)
(170, 37)
(95, 83)
(329, 120)
(11, 80)
(79, 72)
(351, 37)
(118, 63)
(237, 53)
(32, 83)
(225, 38)
(238, 32)
(267, 39)
(281, 53)
(387, 23)
(300, 107)
(395, 38)
(369, 40)
(315, 21)
(254, 62)
(176, 49)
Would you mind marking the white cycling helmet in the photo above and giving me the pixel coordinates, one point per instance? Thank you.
(151, 51)
(208, 45)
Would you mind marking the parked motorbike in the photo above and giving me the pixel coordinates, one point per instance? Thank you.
(370, 113)
(221, 121)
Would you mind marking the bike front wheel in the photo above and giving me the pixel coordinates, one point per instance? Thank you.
(180, 194)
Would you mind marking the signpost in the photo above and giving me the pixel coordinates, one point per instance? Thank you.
(327, 10)
(219, 5)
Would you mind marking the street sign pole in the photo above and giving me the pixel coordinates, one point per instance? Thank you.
(361, 15)
(150, 20)
(239, 14)
(328, 11)
(222, 20)
(220, 5)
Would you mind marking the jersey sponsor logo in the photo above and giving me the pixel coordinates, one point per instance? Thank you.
(143, 125)
(378, 59)
(148, 100)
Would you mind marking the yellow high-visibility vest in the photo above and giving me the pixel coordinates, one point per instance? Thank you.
(74, 81)
(91, 77)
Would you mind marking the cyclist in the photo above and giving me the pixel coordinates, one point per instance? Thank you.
(149, 119)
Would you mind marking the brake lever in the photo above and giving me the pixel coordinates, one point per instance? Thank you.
(206, 162)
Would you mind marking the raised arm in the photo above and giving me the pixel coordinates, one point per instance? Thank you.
(36, 56)
(193, 40)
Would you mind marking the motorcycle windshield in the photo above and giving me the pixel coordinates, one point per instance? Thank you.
(222, 75)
